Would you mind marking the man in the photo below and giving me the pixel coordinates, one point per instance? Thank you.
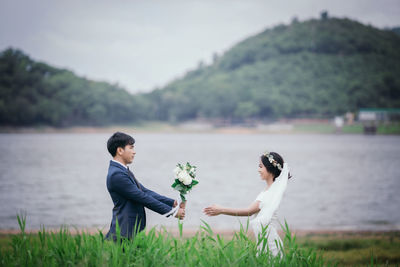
(129, 196)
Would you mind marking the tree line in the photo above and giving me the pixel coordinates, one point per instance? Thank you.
(316, 68)
(34, 93)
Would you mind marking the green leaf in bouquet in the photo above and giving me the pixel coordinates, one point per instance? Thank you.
(194, 182)
(179, 187)
(176, 182)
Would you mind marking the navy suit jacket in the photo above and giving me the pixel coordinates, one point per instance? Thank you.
(130, 201)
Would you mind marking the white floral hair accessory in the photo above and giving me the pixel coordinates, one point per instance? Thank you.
(272, 160)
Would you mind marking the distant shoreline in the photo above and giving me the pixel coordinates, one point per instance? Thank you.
(284, 127)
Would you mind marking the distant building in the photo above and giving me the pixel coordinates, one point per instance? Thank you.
(379, 114)
(371, 117)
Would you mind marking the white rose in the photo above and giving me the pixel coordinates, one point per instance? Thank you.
(181, 175)
(187, 180)
(177, 170)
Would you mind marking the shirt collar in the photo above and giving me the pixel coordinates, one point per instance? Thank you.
(126, 167)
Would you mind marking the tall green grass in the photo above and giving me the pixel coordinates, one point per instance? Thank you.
(154, 248)
(356, 248)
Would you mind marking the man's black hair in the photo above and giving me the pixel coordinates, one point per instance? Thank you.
(117, 140)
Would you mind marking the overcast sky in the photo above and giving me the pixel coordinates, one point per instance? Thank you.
(145, 44)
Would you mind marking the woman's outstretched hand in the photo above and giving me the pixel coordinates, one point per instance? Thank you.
(213, 210)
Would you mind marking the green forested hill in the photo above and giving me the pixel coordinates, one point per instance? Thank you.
(33, 93)
(396, 30)
(316, 68)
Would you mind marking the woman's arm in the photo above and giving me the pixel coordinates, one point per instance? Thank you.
(215, 210)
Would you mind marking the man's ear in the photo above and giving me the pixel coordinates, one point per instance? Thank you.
(120, 150)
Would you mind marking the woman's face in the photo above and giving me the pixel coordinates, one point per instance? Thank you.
(263, 171)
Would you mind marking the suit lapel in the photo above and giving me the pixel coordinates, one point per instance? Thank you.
(130, 174)
(133, 178)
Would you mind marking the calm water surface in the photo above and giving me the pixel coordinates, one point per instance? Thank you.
(339, 181)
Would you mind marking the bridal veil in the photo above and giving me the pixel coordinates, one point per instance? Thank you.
(269, 203)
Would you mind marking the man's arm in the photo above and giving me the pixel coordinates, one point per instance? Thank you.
(163, 199)
(122, 184)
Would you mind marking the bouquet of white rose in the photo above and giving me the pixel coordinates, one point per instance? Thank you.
(184, 179)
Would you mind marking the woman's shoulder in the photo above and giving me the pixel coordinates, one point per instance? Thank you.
(261, 195)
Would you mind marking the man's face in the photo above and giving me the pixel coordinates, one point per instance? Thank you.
(128, 153)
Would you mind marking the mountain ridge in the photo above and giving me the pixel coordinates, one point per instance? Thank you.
(311, 62)
(318, 68)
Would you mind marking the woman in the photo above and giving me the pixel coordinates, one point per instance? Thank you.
(275, 173)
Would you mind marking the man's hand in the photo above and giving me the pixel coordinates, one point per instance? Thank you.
(180, 214)
(182, 205)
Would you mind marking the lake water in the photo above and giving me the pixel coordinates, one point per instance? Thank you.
(340, 182)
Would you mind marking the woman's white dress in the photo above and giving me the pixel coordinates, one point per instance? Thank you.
(267, 216)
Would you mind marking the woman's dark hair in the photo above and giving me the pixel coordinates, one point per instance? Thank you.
(270, 167)
(117, 140)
